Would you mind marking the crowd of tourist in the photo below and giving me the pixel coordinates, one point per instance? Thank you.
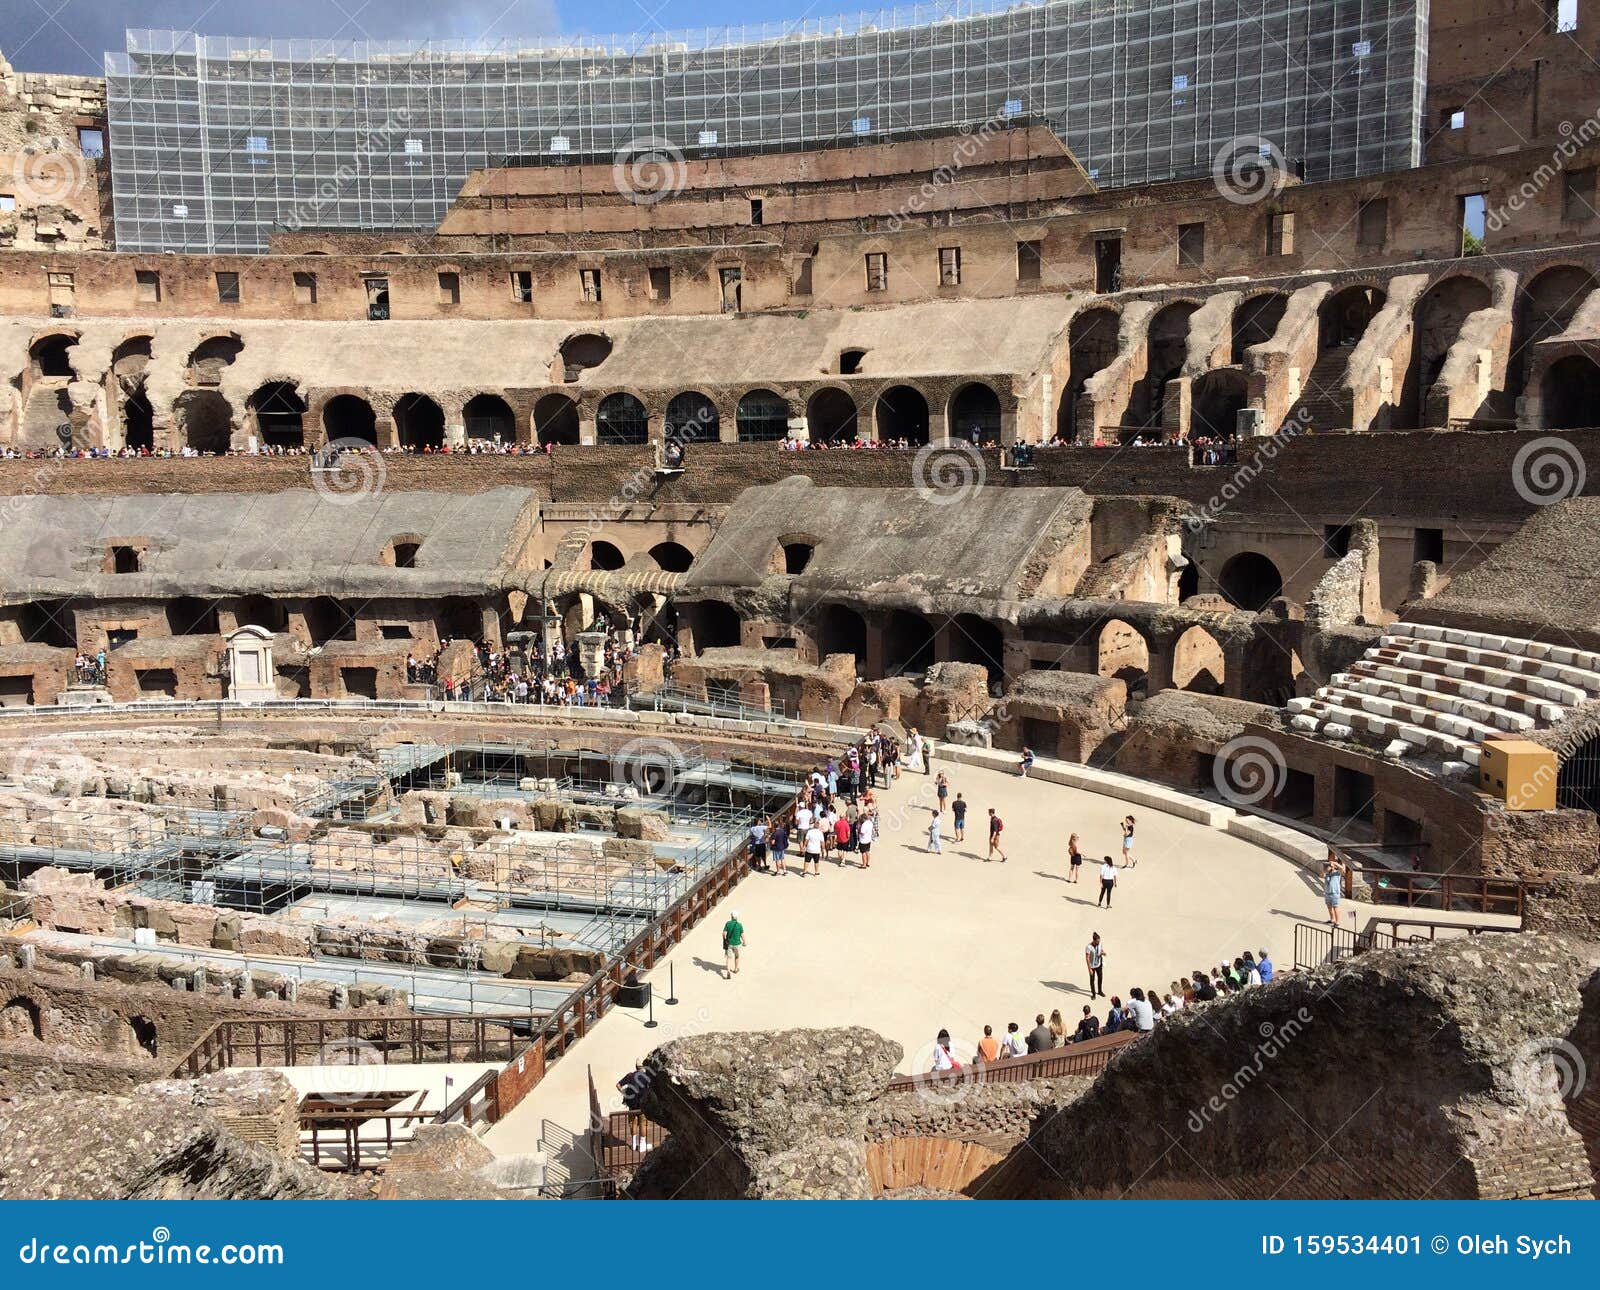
(89, 669)
(1143, 1011)
(533, 675)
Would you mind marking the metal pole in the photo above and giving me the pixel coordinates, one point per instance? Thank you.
(652, 1023)
(672, 984)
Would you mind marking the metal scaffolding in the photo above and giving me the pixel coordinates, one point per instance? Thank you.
(217, 140)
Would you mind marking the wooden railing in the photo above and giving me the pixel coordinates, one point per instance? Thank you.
(475, 1104)
(320, 1041)
(1449, 892)
(1089, 1057)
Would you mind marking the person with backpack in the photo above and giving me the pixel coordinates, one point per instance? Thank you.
(996, 825)
(732, 944)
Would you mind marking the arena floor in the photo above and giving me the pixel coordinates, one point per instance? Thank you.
(921, 941)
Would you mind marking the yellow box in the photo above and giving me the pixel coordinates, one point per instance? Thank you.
(1518, 772)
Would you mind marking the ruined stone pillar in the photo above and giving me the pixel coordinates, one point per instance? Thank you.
(587, 433)
(388, 434)
(1159, 675)
(592, 652)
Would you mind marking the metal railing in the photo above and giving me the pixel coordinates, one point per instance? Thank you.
(1316, 944)
(675, 698)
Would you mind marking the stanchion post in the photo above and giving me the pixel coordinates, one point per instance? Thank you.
(672, 984)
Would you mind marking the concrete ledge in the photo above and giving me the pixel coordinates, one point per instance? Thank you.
(1125, 788)
(1294, 846)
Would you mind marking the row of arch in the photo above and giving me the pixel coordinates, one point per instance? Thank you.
(204, 417)
(1544, 307)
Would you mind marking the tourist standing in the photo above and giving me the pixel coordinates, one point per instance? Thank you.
(1128, 861)
(866, 830)
(812, 861)
(941, 790)
(758, 845)
(996, 825)
(1108, 880)
(778, 845)
(1264, 966)
(1094, 957)
(732, 944)
(1074, 858)
(1333, 886)
(958, 817)
(933, 835)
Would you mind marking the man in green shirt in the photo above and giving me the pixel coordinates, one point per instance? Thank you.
(732, 943)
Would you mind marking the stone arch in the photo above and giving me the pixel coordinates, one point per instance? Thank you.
(1436, 324)
(1166, 347)
(974, 414)
(488, 416)
(691, 417)
(1122, 652)
(584, 350)
(21, 1018)
(211, 356)
(138, 418)
(191, 616)
(977, 640)
(555, 420)
(1545, 308)
(1344, 316)
(908, 641)
(144, 1034)
(419, 422)
(132, 355)
(716, 625)
(1578, 778)
(1571, 393)
(279, 413)
(204, 421)
(349, 416)
(1217, 398)
(259, 611)
(902, 413)
(1250, 580)
(48, 357)
(762, 416)
(328, 619)
(841, 630)
(621, 419)
(1198, 662)
(1092, 343)
(605, 556)
(1256, 321)
(672, 557)
(831, 415)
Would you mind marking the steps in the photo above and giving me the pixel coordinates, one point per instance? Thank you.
(1442, 691)
(1323, 403)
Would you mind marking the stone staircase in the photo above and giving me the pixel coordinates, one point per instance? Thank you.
(48, 406)
(1441, 691)
(1323, 404)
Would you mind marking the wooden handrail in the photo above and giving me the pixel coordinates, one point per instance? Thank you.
(1087, 1057)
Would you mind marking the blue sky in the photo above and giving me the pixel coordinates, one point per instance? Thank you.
(70, 35)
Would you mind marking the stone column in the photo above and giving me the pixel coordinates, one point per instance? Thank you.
(592, 652)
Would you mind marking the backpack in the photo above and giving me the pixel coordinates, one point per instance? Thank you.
(996, 824)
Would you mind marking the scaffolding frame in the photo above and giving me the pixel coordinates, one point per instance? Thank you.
(215, 141)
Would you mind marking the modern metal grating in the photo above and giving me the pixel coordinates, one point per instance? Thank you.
(215, 141)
